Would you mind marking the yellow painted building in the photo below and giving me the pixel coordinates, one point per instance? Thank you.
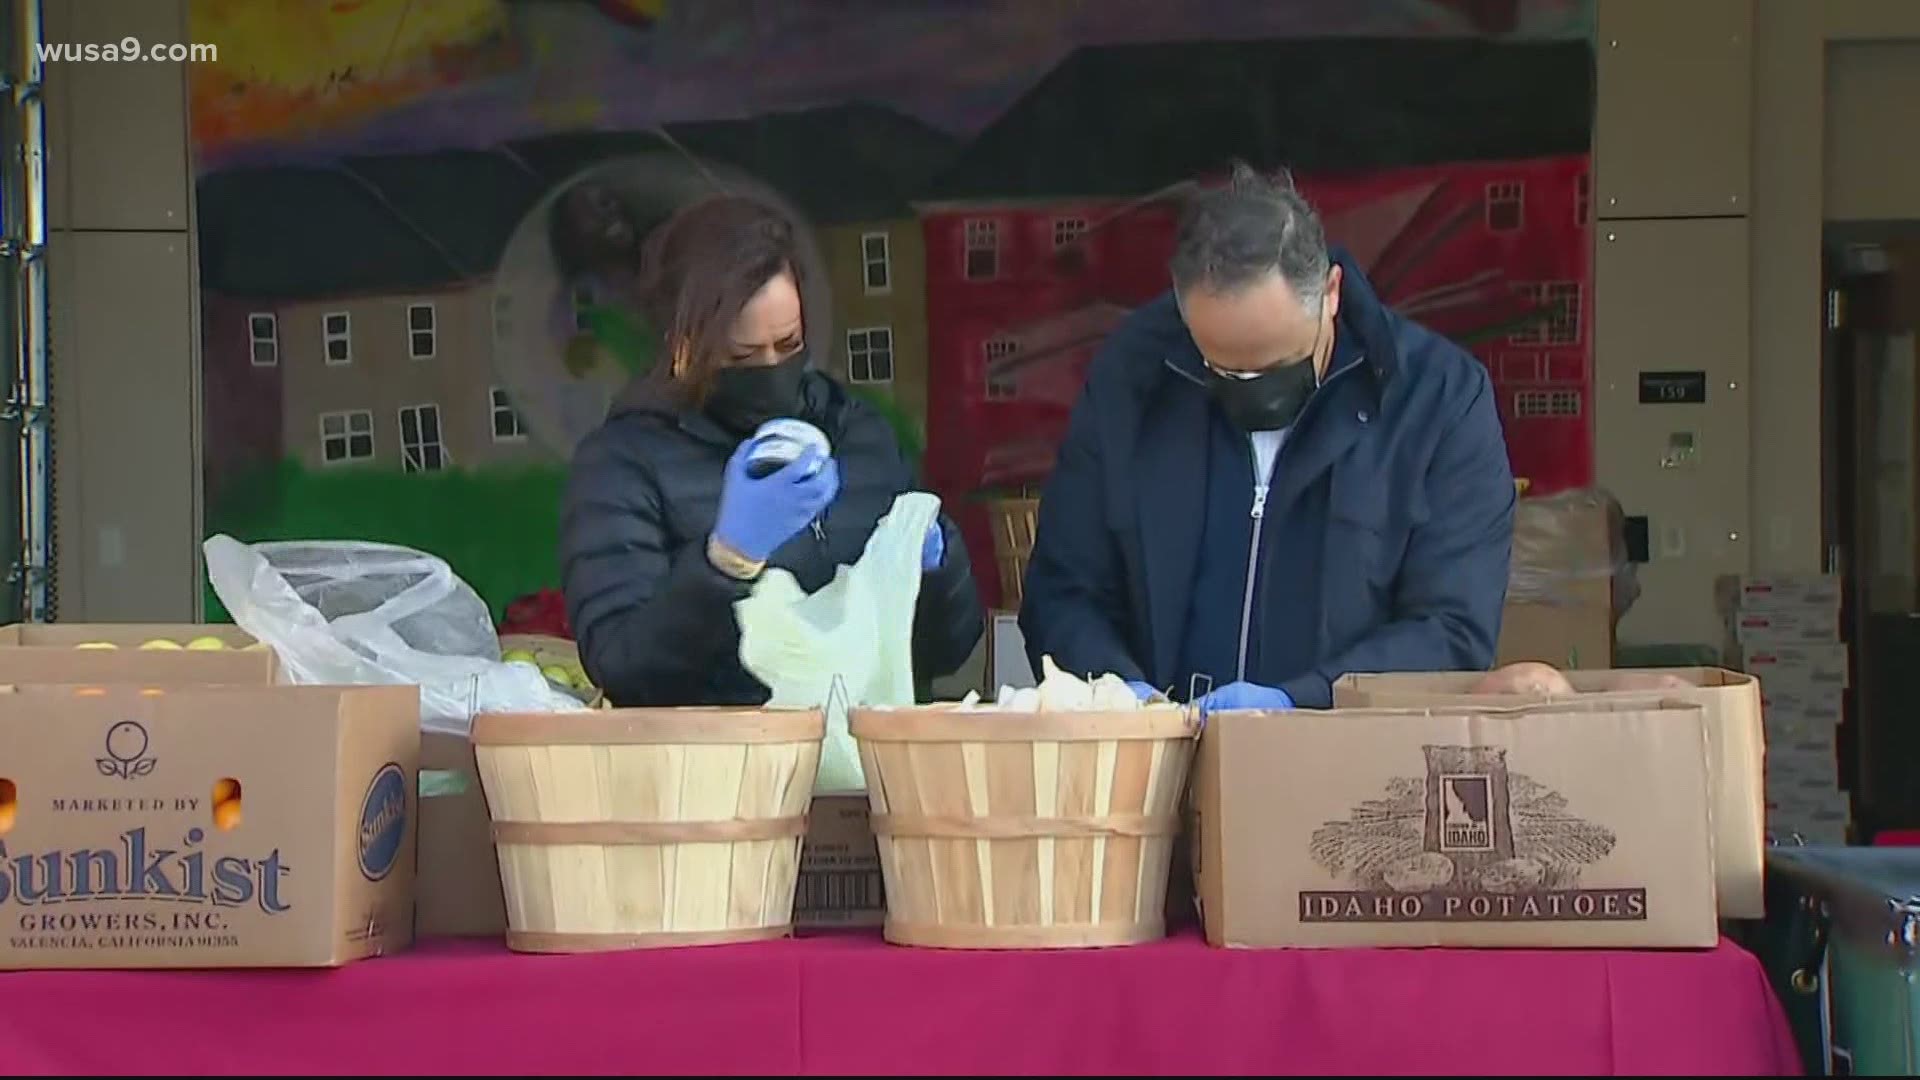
(877, 272)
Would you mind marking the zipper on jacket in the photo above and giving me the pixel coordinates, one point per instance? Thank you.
(1259, 513)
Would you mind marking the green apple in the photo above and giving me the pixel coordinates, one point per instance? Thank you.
(206, 644)
(520, 656)
(160, 643)
(96, 645)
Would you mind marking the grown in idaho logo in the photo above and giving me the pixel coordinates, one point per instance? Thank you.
(383, 822)
(1469, 842)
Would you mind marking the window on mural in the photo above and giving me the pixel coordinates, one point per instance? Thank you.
(420, 331)
(1001, 386)
(983, 249)
(1554, 313)
(876, 262)
(507, 426)
(1544, 404)
(1068, 229)
(336, 337)
(420, 447)
(346, 436)
(870, 355)
(1506, 206)
(263, 339)
(1582, 199)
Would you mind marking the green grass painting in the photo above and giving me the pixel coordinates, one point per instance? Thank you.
(497, 527)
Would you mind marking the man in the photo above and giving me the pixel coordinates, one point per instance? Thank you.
(1271, 480)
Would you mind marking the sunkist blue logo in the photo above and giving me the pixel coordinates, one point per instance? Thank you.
(383, 822)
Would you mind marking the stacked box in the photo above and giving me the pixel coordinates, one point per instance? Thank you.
(1784, 629)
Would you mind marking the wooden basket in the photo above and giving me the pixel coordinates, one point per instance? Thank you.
(1014, 521)
(1024, 830)
(644, 828)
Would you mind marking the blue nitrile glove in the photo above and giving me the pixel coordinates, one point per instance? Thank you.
(1142, 690)
(1245, 695)
(933, 551)
(757, 516)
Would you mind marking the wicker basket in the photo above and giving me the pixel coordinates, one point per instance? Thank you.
(1025, 831)
(637, 828)
(1013, 528)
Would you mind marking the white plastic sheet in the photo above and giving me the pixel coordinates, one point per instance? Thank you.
(346, 612)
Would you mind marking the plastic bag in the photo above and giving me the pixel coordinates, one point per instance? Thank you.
(854, 636)
(1562, 540)
(344, 612)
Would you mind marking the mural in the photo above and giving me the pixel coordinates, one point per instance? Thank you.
(419, 218)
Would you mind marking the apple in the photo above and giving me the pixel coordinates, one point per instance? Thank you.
(258, 646)
(96, 645)
(160, 643)
(206, 644)
(520, 656)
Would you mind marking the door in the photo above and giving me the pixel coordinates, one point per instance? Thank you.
(1872, 440)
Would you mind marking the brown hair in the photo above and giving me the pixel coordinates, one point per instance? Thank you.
(698, 270)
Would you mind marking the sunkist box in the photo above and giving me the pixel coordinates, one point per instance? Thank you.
(113, 652)
(1567, 825)
(206, 826)
(1736, 748)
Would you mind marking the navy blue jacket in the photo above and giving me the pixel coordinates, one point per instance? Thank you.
(1387, 531)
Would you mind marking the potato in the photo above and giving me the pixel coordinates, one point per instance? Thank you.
(1523, 678)
(1513, 875)
(1649, 680)
(1420, 873)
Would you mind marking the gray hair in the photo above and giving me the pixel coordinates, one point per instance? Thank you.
(1255, 226)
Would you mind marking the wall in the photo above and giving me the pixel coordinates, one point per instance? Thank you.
(1718, 154)
(123, 293)
(902, 307)
(121, 254)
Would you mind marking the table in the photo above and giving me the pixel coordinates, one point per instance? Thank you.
(847, 1003)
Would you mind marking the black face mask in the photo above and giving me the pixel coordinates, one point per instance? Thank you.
(743, 398)
(1267, 402)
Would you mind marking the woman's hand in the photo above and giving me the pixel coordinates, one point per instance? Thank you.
(933, 550)
(757, 516)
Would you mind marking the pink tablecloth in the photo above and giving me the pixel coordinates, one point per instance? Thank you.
(849, 1004)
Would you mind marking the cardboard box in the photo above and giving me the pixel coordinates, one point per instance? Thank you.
(1579, 825)
(1007, 663)
(458, 891)
(840, 879)
(50, 654)
(1798, 669)
(206, 827)
(1773, 592)
(1786, 626)
(1736, 749)
(1803, 705)
(1575, 634)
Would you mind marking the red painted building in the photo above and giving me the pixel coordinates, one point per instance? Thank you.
(1040, 239)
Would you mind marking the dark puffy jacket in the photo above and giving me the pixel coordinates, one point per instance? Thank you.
(1386, 533)
(654, 620)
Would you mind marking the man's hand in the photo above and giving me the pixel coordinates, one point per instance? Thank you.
(1245, 695)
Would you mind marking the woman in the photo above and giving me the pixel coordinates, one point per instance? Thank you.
(663, 529)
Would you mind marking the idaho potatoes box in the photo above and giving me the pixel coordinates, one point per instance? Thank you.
(206, 827)
(840, 882)
(47, 653)
(1736, 748)
(1542, 827)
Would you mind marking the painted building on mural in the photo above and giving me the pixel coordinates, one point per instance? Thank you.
(1057, 220)
(350, 304)
(347, 308)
